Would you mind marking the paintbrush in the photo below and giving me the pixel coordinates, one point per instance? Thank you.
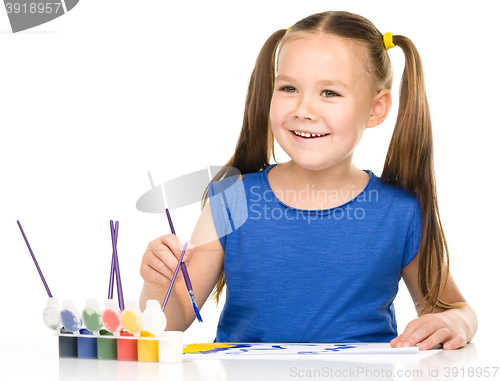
(185, 273)
(114, 237)
(114, 231)
(173, 277)
(154, 205)
(34, 260)
(52, 312)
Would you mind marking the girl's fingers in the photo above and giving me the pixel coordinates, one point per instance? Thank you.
(440, 336)
(189, 252)
(166, 261)
(176, 246)
(431, 330)
(409, 330)
(161, 259)
(394, 342)
(166, 264)
(455, 343)
(420, 334)
(155, 277)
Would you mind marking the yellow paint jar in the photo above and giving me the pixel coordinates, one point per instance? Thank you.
(147, 350)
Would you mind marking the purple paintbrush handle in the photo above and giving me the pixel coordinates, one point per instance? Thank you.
(173, 278)
(34, 260)
(183, 265)
(112, 274)
(172, 230)
(186, 276)
(121, 304)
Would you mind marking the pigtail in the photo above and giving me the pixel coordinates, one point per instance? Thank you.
(409, 163)
(256, 141)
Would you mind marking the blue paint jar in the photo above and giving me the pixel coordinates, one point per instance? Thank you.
(87, 345)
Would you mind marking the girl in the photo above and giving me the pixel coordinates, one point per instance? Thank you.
(305, 264)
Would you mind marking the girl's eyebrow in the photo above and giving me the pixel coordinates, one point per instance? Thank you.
(324, 82)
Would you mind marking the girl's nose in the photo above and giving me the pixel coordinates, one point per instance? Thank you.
(304, 110)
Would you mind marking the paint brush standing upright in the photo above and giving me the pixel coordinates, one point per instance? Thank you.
(114, 232)
(114, 236)
(111, 316)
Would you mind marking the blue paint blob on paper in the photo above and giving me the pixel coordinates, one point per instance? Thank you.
(340, 347)
(273, 348)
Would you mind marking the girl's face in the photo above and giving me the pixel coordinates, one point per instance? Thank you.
(321, 87)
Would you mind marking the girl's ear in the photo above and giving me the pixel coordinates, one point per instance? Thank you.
(380, 109)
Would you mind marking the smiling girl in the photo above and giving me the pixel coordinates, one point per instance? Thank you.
(308, 265)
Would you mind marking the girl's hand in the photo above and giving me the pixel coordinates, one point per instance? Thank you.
(160, 260)
(448, 328)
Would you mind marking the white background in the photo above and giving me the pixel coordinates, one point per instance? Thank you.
(93, 100)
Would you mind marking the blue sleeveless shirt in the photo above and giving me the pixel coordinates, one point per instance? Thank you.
(296, 275)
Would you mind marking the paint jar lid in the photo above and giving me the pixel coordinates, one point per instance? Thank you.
(92, 315)
(70, 316)
(154, 318)
(52, 314)
(111, 316)
(69, 305)
(132, 317)
(132, 305)
(92, 303)
(110, 303)
(54, 302)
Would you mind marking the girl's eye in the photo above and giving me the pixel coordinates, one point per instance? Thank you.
(330, 94)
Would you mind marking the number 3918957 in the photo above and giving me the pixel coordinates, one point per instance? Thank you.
(33, 7)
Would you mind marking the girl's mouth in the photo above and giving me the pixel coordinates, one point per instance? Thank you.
(307, 136)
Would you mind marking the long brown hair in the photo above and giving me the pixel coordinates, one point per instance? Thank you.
(409, 161)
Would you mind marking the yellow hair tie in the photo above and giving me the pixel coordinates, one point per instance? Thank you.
(389, 44)
(287, 29)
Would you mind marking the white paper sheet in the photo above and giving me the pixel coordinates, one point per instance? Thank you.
(300, 350)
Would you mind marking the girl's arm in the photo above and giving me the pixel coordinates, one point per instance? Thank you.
(453, 328)
(205, 267)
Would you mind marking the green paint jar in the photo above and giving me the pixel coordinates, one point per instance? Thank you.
(106, 346)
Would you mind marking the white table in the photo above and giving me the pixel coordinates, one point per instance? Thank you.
(41, 362)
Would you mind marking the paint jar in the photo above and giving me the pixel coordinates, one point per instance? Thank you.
(147, 350)
(170, 347)
(52, 314)
(68, 344)
(112, 317)
(106, 347)
(154, 318)
(70, 317)
(132, 318)
(92, 316)
(87, 345)
(126, 349)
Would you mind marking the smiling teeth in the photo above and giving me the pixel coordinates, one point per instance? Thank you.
(307, 134)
